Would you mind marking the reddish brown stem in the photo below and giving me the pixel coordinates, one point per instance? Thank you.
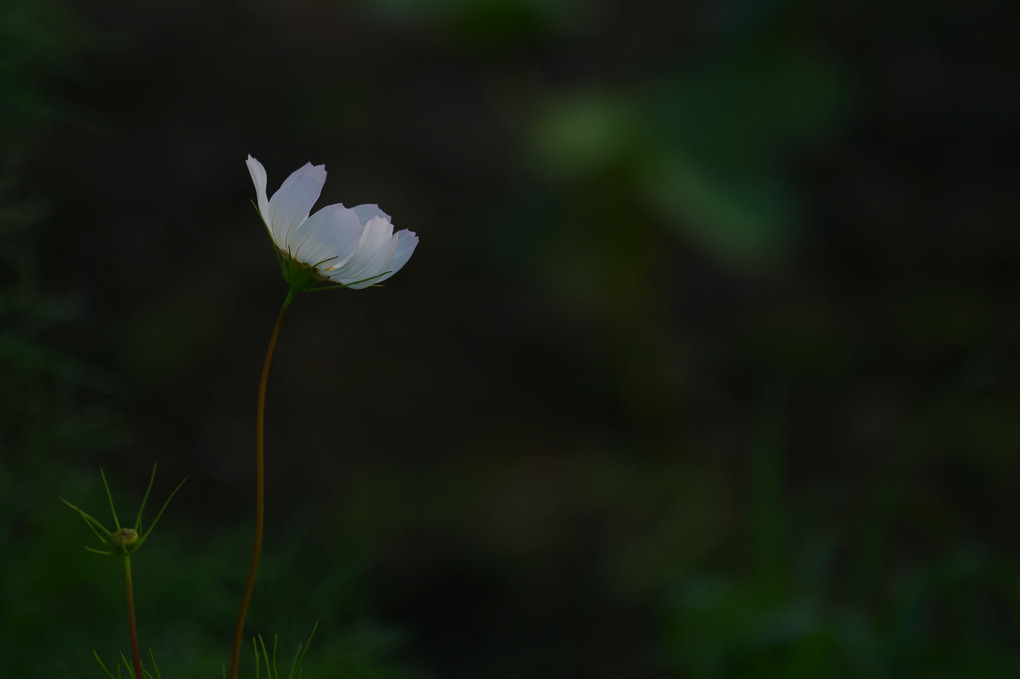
(131, 618)
(260, 495)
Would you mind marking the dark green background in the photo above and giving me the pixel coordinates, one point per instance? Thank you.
(705, 365)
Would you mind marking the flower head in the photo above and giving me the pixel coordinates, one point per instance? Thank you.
(350, 247)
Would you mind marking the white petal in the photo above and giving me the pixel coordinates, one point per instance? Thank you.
(326, 237)
(373, 256)
(367, 212)
(258, 177)
(404, 242)
(292, 202)
(374, 271)
(351, 263)
(407, 241)
(375, 239)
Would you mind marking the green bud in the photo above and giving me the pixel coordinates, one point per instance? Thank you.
(124, 540)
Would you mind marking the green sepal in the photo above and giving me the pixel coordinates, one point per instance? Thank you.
(109, 496)
(143, 536)
(93, 523)
(306, 278)
(98, 551)
(298, 275)
(110, 538)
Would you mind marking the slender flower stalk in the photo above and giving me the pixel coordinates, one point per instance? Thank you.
(123, 542)
(131, 618)
(336, 247)
(260, 486)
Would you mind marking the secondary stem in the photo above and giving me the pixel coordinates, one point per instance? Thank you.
(131, 618)
(260, 494)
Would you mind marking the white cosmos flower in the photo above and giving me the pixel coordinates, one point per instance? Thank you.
(353, 247)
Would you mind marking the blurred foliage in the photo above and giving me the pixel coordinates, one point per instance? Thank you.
(62, 411)
(705, 366)
(707, 151)
(55, 404)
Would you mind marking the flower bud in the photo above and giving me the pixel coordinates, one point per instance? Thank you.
(124, 539)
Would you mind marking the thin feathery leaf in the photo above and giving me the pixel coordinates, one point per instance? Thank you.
(109, 496)
(265, 658)
(295, 664)
(95, 654)
(145, 498)
(98, 551)
(270, 662)
(299, 657)
(96, 525)
(127, 665)
(160, 514)
(255, 642)
(155, 667)
(93, 523)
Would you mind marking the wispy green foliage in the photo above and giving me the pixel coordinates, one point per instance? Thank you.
(129, 672)
(268, 659)
(123, 541)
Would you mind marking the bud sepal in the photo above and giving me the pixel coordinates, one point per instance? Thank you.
(122, 541)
